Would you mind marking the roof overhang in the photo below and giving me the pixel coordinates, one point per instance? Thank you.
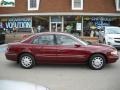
(60, 14)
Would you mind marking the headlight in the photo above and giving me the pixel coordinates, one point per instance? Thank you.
(114, 52)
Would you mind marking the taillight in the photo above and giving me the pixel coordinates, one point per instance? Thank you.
(8, 48)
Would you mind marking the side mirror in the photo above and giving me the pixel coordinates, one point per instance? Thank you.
(77, 45)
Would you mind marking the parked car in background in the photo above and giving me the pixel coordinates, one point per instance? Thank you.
(2, 37)
(60, 48)
(110, 35)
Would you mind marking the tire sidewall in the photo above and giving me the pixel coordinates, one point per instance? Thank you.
(91, 59)
(32, 58)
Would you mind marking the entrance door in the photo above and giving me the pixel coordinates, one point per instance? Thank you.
(56, 27)
(56, 24)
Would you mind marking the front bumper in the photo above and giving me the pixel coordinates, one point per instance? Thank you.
(112, 59)
(112, 56)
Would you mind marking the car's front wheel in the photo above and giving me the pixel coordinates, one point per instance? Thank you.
(27, 61)
(97, 62)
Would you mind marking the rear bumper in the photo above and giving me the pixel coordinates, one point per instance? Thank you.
(11, 56)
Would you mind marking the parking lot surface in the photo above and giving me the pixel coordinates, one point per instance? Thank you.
(63, 77)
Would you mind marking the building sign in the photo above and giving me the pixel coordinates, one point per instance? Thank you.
(7, 3)
(18, 22)
(78, 26)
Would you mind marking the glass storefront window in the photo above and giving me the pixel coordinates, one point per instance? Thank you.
(56, 19)
(72, 24)
(92, 25)
(41, 23)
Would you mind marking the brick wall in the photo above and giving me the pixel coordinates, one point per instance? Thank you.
(100, 6)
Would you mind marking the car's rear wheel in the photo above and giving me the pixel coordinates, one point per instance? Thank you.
(97, 62)
(27, 61)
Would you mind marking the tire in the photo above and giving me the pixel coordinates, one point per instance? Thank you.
(97, 62)
(26, 61)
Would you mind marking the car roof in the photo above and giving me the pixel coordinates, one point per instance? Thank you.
(62, 33)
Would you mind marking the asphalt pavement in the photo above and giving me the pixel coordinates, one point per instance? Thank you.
(63, 77)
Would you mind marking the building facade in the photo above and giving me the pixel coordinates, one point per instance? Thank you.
(82, 16)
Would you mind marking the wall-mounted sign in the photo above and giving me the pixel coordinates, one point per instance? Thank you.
(7, 3)
(18, 22)
(78, 26)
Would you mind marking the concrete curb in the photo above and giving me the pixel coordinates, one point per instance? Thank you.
(3, 48)
(3, 45)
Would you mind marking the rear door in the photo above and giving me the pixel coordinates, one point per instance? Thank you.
(46, 48)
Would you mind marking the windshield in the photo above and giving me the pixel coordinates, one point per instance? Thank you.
(114, 30)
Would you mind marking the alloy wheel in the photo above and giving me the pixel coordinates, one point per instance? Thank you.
(97, 62)
(27, 61)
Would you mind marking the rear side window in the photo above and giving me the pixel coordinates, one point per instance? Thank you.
(44, 40)
(35, 41)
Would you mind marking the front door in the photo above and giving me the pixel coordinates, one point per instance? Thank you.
(56, 27)
(67, 52)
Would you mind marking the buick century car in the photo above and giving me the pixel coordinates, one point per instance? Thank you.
(60, 48)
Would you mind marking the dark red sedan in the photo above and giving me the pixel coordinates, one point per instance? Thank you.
(60, 48)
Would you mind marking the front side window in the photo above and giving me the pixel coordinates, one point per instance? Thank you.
(77, 4)
(33, 4)
(65, 40)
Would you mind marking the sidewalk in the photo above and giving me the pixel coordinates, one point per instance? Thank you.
(3, 47)
(91, 39)
(12, 37)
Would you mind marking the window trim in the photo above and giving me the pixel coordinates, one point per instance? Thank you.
(77, 8)
(37, 5)
(117, 5)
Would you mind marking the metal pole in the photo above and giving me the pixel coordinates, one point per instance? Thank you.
(50, 23)
(82, 27)
(62, 23)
